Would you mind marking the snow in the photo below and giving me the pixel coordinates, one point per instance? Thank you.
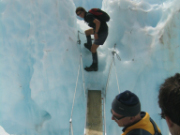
(40, 60)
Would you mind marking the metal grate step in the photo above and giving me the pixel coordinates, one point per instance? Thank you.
(94, 113)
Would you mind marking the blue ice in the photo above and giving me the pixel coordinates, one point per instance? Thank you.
(41, 61)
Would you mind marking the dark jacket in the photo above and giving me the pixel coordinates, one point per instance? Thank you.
(89, 18)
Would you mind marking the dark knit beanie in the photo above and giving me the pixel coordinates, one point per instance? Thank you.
(126, 104)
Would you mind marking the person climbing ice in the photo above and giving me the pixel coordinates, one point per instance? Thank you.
(96, 19)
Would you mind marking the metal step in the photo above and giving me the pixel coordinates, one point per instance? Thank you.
(94, 113)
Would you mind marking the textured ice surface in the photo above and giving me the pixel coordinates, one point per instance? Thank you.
(147, 39)
(87, 4)
(38, 66)
(40, 59)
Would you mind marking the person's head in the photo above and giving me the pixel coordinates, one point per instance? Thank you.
(169, 102)
(80, 11)
(126, 109)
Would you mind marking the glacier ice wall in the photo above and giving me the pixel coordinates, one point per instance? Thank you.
(88, 4)
(147, 40)
(39, 60)
(39, 66)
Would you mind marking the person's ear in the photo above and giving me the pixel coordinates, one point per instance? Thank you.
(169, 122)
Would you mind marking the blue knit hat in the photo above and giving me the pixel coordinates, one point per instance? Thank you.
(126, 104)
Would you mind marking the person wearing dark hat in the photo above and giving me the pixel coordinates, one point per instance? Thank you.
(126, 112)
(169, 102)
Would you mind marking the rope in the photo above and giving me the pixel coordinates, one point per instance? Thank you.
(113, 53)
(104, 116)
(109, 75)
(75, 88)
(70, 127)
(74, 98)
(80, 67)
(79, 42)
(83, 76)
(86, 115)
(116, 77)
(85, 92)
(118, 57)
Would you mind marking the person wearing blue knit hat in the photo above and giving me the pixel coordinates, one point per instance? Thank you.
(126, 112)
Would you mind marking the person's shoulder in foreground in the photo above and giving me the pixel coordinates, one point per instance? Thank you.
(126, 112)
(169, 102)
